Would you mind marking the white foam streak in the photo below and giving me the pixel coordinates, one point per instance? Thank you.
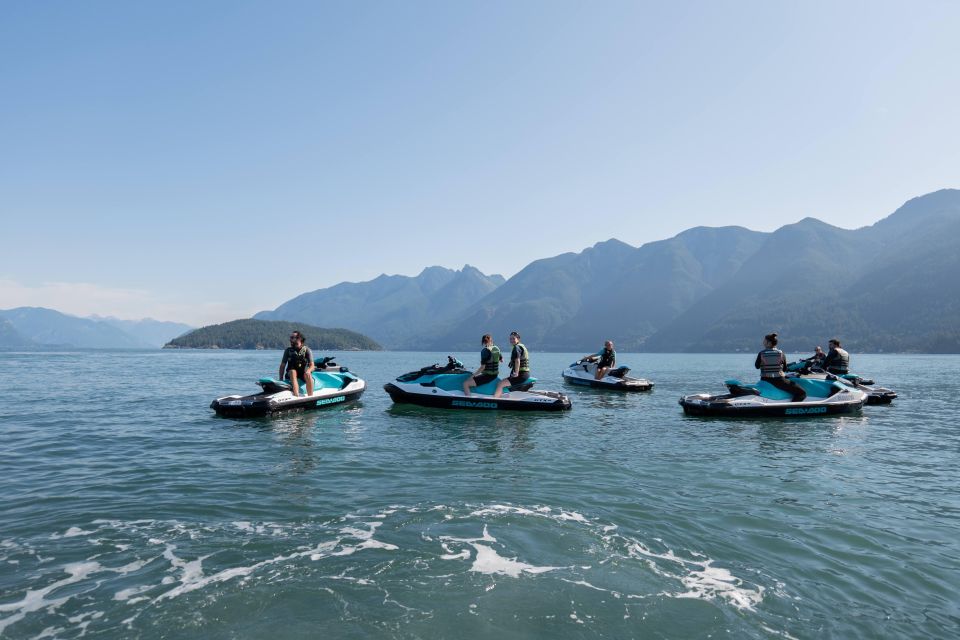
(702, 580)
(711, 582)
(487, 560)
(36, 600)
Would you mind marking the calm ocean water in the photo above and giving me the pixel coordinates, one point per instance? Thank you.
(130, 510)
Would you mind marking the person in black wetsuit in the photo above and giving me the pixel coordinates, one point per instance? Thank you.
(298, 363)
(772, 363)
(489, 365)
(837, 361)
(606, 358)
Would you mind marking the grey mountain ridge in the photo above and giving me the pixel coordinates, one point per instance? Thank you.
(38, 327)
(889, 286)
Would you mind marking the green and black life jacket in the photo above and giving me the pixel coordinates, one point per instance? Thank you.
(492, 365)
(608, 358)
(520, 352)
(297, 358)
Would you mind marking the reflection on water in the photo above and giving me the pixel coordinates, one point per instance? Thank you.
(493, 432)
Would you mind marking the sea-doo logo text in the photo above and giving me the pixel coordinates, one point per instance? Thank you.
(804, 411)
(474, 405)
(331, 400)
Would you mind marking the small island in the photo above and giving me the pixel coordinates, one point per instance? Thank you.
(271, 334)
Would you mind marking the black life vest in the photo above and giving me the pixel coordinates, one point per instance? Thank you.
(837, 361)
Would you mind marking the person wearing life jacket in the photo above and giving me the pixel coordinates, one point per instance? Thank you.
(816, 360)
(772, 363)
(519, 365)
(606, 358)
(298, 363)
(489, 365)
(838, 360)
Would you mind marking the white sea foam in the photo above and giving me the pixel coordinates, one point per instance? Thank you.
(490, 562)
(487, 559)
(36, 600)
(72, 532)
(701, 579)
(693, 574)
(698, 576)
(715, 582)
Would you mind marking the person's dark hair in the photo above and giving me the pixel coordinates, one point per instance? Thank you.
(771, 338)
(486, 338)
(514, 333)
(302, 337)
(835, 341)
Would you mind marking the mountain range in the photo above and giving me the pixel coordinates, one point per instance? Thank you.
(891, 286)
(38, 327)
(394, 310)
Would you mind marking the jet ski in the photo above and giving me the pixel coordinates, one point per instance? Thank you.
(584, 372)
(875, 394)
(442, 386)
(332, 384)
(824, 397)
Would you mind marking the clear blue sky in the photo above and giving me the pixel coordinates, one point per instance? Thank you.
(172, 159)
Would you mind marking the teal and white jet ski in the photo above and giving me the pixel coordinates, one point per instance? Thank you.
(875, 394)
(442, 387)
(824, 397)
(584, 373)
(332, 385)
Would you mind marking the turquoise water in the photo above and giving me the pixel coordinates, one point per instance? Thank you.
(130, 510)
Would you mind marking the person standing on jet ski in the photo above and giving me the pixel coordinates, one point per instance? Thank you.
(298, 362)
(837, 361)
(772, 363)
(519, 365)
(489, 365)
(606, 359)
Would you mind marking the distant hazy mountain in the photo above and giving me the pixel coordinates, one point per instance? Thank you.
(894, 285)
(10, 338)
(394, 310)
(573, 301)
(52, 328)
(148, 332)
(271, 334)
(38, 327)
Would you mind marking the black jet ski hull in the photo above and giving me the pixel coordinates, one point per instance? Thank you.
(877, 396)
(262, 404)
(538, 400)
